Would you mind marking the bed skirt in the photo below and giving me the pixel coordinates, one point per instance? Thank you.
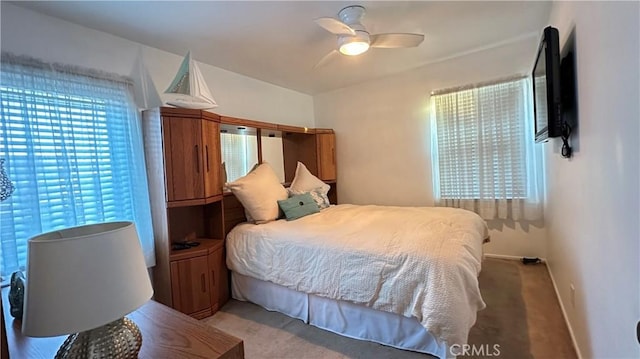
(344, 318)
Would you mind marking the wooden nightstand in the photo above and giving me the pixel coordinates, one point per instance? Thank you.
(166, 333)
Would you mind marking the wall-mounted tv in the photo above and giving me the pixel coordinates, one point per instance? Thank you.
(547, 104)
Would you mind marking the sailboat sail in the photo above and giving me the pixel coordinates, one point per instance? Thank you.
(190, 87)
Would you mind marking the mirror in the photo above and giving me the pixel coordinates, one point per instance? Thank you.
(271, 146)
(239, 150)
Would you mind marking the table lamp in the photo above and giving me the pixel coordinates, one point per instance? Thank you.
(83, 281)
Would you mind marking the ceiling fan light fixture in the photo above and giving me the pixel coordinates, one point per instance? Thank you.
(354, 45)
(354, 48)
(354, 39)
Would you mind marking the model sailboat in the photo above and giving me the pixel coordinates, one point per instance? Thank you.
(190, 88)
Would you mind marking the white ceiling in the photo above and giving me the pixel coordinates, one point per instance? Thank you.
(279, 43)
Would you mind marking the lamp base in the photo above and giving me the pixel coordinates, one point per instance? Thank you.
(119, 339)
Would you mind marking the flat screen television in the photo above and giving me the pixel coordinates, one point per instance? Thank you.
(547, 103)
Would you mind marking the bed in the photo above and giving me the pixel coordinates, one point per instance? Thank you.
(400, 276)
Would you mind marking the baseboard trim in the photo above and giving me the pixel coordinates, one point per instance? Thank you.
(504, 256)
(564, 314)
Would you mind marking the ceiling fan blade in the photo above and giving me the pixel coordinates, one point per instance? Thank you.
(334, 26)
(391, 41)
(327, 58)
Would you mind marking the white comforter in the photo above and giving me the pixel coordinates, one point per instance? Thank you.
(414, 261)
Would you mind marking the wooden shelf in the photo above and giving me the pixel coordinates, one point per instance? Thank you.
(207, 245)
(194, 202)
(247, 123)
(189, 113)
(296, 129)
(188, 202)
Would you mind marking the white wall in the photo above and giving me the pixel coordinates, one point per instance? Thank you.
(593, 211)
(25, 32)
(383, 136)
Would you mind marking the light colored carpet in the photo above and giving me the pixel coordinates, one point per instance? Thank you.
(522, 316)
(273, 335)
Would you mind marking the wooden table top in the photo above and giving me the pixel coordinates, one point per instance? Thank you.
(166, 333)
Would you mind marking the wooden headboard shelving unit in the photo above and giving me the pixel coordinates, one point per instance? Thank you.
(315, 147)
(183, 162)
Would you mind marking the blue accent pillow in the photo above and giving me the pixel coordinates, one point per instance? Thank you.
(298, 206)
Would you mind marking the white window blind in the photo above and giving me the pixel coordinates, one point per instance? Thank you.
(239, 154)
(485, 158)
(73, 149)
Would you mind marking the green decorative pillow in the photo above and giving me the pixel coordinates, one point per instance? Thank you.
(298, 206)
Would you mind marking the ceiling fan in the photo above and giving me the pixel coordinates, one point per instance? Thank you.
(354, 39)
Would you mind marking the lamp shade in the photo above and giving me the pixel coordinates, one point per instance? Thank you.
(82, 278)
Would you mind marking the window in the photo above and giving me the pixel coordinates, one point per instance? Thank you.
(239, 153)
(73, 148)
(484, 154)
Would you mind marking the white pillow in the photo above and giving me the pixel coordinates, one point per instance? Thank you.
(318, 196)
(304, 181)
(259, 192)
